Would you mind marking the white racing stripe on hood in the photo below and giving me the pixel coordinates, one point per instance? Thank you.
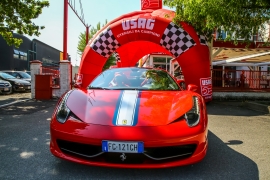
(127, 108)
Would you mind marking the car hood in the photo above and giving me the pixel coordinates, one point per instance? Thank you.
(129, 107)
(19, 81)
(26, 79)
(3, 81)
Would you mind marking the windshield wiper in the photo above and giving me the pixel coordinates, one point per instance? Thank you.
(127, 88)
(91, 87)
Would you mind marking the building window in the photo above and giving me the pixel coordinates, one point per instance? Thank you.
(23, 55)
(16, 54)
(46, 61)
(19, 55)
(163, 62)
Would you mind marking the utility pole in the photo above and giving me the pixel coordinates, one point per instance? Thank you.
(65, 30)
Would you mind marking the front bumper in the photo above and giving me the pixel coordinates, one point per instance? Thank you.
(7, 89)
(22, 87)
(153, 137)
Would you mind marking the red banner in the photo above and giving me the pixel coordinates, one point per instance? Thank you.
(206, 88)
(151, 4)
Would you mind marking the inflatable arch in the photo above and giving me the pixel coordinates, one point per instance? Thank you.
(143, 32)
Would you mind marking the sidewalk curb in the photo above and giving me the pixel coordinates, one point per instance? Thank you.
(241, 96)
(8, 104)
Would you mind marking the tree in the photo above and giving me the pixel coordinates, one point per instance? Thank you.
(82, 38)
(239, 18)
(110, 61)
(82, 44)
(17, 15)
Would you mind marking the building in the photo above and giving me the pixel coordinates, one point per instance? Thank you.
(12, 58)
(253, 58)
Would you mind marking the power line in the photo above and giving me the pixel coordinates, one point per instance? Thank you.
(72, 5)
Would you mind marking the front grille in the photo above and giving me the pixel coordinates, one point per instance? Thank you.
(150, 155)
(4, 84)
(124, 158)
(163, 153)
(79, 149)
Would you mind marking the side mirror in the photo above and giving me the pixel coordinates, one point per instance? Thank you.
(192, 87)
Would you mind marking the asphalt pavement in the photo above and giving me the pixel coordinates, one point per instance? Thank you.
(6, 100)
(22, 103)
(239, 147)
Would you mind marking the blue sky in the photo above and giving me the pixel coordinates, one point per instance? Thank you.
(94, 11)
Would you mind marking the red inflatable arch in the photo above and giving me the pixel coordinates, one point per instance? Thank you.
(143, 32)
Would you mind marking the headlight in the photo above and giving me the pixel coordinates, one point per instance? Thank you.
(63, 112)
(193, 116)
(17, 83)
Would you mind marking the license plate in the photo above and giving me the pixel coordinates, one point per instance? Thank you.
(123, 147)
(5, 89)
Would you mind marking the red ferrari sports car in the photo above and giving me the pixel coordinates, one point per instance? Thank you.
(132, 118)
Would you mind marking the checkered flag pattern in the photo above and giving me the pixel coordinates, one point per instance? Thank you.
(105, 44)
(117, 56)
(176, 40)
(203, 40)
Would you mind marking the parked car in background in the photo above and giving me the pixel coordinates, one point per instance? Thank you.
(19, 75)
(17, 84)
(5, 87)
(28, 72)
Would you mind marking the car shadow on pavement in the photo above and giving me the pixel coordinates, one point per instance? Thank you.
(234, 108)
(221, 162)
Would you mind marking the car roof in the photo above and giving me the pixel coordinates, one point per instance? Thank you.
(11, 71)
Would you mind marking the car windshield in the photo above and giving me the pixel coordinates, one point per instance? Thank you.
(6, 76)
(134, 79)
(25, 75)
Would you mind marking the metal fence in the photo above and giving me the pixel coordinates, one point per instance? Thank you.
(55, 75)
(250, 81)
(231, 80)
